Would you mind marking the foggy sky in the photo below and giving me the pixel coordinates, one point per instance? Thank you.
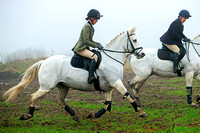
(55, 25)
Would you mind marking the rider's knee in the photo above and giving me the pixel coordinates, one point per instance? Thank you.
(95, 57)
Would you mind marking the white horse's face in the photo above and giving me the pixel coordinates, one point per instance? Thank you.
(134, 41)
(135, 44)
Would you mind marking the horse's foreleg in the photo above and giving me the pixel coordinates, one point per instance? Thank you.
(108, 97)
(189, 79)
(197, 77)
(136, 83)
(121, 88)
(34, 97)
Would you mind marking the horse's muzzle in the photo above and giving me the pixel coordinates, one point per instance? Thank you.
(140, 55)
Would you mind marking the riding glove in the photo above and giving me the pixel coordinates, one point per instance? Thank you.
(99, 46)
(186, 40)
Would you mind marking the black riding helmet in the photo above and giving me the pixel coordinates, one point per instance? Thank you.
(94, 14)
(185, 14)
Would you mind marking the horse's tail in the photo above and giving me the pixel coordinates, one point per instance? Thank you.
(28, 77)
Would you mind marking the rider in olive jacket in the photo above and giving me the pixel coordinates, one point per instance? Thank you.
(85, 41)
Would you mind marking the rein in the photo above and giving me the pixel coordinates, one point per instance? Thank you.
(115, 51)
(187, 49)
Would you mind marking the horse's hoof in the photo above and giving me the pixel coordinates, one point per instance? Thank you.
(76, 118)
(143, 115)
(91, 115)
(26, 117)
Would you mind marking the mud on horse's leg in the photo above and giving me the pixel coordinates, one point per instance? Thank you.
(34, 97)
(60, 99)
(121, 88)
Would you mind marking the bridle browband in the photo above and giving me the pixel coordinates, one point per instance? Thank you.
(131, 52)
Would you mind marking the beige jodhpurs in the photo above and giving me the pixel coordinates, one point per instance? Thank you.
(88, 54)
(173, 48)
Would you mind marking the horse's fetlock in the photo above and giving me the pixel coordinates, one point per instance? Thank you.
(135, 106)
(69, 110)
(189, 99)
(108, 105)
(100, 113)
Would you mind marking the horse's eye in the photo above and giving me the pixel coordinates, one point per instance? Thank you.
(135, 40)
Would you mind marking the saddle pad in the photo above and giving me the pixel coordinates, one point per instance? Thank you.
(78, 61)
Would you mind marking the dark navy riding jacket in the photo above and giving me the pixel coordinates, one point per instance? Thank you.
(174, 34)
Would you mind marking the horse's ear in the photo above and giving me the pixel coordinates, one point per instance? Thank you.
(132, 30)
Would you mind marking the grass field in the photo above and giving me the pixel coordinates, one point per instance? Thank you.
(164, 100)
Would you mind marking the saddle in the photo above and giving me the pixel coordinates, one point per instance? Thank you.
(81, 62)
(165, 54)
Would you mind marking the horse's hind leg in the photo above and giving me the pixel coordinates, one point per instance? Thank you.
(60, 99)
(34, 97)
(62, 93)
(136, 83)
(108, 97)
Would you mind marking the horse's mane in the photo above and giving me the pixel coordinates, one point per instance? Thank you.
(115, 38)
(131, 31)
(196, 37)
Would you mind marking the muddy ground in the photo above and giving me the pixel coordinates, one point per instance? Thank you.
(147, 93)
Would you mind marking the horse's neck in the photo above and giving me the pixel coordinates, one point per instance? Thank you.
(117, 45)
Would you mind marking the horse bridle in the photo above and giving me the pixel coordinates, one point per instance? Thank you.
(131, 52)
(187, 49)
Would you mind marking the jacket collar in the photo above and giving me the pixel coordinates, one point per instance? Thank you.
(179, 21)
(91, 25)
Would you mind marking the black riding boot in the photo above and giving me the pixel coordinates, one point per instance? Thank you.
(91, 71)
(176, 62)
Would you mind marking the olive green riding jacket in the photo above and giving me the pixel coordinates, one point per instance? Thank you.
(85, 39)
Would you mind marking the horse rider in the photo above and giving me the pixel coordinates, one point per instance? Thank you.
(85, 41)
(174, 36)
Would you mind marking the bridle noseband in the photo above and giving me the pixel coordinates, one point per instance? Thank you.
(131, 52)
